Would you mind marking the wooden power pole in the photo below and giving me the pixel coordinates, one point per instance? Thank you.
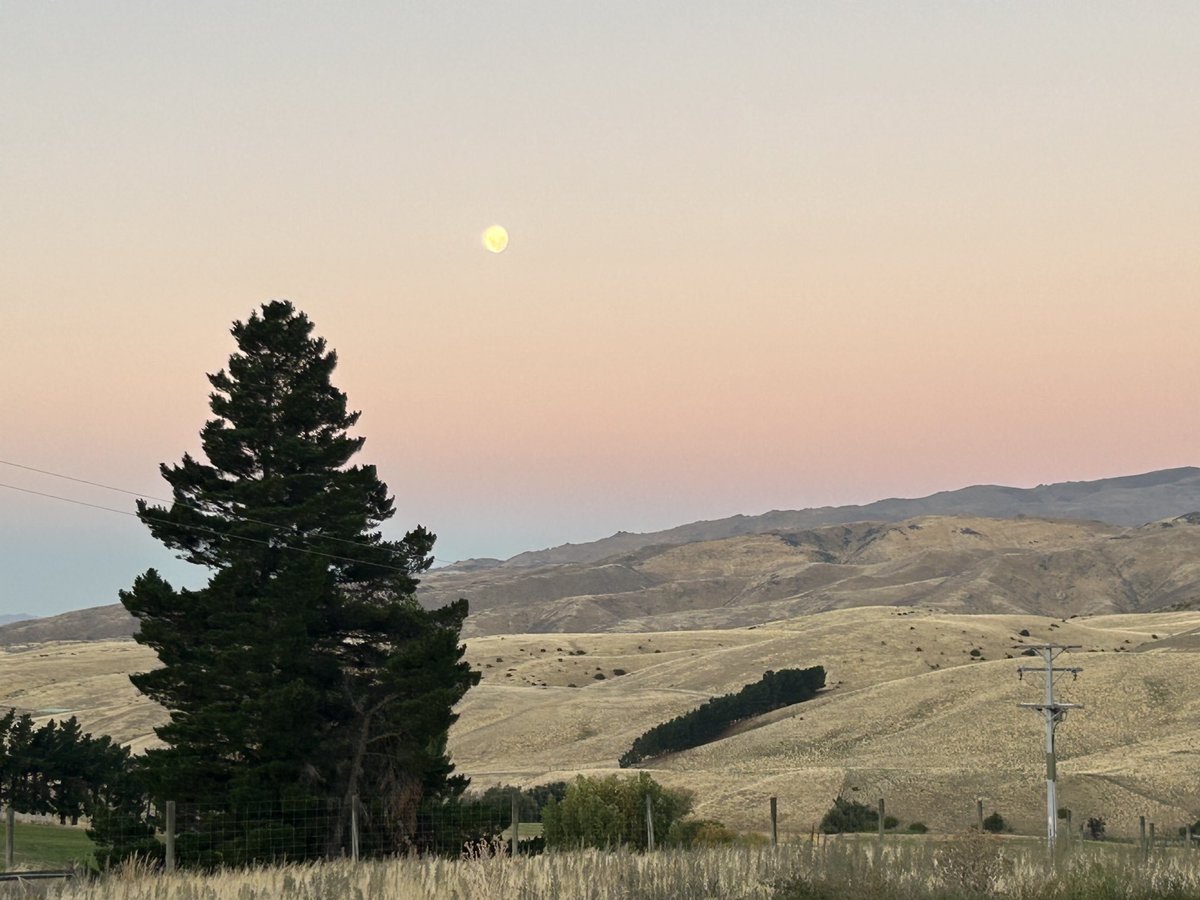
(1053, 712)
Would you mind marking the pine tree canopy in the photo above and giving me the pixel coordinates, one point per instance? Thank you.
(305, 667)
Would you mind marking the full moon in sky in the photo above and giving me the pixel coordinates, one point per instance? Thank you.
(495, 238)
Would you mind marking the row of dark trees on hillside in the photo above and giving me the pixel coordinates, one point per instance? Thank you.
(714, 717)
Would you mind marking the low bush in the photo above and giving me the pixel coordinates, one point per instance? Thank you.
(995, 824)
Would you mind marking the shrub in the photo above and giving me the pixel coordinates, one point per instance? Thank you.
(689, 833)
(611, 812)
(849, 816)
(918, 828)
(995, 823)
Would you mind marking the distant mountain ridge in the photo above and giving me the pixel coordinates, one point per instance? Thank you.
(9, 618)
(748, 570)
(1125, 500)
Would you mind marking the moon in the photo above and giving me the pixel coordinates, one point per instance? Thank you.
(495, 238)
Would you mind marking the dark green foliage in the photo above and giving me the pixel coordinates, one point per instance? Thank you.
(611, 812)
(1096, 825)
(995, 823)
(712, 718)
(530, 800)
(850, 816)
(917, 828)
(304, 672)
(57, 769)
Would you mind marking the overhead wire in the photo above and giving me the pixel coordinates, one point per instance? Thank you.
(201, 528)
(208, 510)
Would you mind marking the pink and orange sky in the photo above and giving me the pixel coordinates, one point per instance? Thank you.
(767, 255)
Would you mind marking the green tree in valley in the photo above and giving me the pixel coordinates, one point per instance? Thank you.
(304, 672)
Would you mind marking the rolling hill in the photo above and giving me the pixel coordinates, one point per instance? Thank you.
(909, 713)
(969, 565)
(956, 564)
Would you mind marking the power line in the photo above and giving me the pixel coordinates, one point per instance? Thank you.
(207, 509)
(201, 528)
(199, 507)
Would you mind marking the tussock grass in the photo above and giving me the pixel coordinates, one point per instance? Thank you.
(977, 866)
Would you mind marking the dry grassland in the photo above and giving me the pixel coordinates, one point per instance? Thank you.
(909, 714)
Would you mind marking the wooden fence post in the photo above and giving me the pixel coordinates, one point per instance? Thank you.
(881, 817)
(169, 865)
(649, 823)
(979, 813)
(1142, 833)
(354, 827)
(774, 821)
(516, 822)
(10, 840)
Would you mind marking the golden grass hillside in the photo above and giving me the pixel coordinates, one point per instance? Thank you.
(909, 713)
(956, 564)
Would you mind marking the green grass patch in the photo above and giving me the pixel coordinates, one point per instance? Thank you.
(47, 846)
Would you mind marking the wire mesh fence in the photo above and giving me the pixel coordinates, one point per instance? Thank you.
(308, 828)
(219, 835)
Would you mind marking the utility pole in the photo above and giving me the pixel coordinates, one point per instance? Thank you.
(1053, 712)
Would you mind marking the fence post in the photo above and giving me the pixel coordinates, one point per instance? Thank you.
(774, 821)
(516, 821)
(354, 827)
(1069, 833)
(881, 818)
(1142, 833)
(10, 840)
(170, 837)
(1189, 836)
(979, 813)
(649, 823)
(1151, 844)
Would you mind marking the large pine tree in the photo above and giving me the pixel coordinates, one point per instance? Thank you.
(305, 670)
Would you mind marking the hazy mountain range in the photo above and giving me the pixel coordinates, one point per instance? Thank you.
(1127, 500)
(1127, 544)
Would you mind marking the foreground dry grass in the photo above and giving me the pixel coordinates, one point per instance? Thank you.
(973, 867)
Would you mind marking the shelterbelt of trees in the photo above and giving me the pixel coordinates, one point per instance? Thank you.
(714, 717)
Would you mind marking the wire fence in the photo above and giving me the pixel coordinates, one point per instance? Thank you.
(289, 830)
(214, 835)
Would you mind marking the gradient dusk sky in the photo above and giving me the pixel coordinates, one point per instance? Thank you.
(763, 255)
